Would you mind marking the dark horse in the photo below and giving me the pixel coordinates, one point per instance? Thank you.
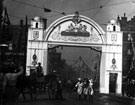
(26, 85)
(51, 81)
(33, 85)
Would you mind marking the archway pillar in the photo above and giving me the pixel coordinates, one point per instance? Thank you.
(45, 58)
(111, 64)
(104, 75)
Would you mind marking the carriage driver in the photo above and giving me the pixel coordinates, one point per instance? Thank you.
(39, 70)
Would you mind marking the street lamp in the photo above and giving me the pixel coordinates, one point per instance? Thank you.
(2, 47)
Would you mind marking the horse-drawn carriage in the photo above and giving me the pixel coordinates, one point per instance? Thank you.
(35, 85)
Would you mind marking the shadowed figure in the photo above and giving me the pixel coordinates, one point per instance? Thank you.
(58, 89)
(25, 85)
(51, 83)
(10, 90)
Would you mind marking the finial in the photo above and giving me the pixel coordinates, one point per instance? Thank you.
(124, 14)
(76, 18)
(118, 18)
(76, 13)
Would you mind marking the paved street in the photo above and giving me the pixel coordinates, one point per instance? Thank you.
(71, 98)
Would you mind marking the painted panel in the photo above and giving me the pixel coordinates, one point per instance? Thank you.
(114, 62)
(77, 33)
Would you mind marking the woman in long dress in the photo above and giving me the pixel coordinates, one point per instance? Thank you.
(79, 87)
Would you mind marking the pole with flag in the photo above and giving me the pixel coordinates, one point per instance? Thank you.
(5, 26)
(5, 22)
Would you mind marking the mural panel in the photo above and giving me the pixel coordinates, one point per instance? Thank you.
(77, 31)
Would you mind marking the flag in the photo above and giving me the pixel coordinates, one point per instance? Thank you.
(47, 10)
(5, 20)
(5, 26)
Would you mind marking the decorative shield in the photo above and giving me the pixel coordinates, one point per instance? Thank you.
(36, 35)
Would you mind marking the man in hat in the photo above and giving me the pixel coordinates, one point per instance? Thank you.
(39, 70)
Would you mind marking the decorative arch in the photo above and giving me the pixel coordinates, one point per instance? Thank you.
(69, 29)
(78, 30)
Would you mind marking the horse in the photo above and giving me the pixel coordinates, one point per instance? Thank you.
(36, 85)
(33, 84)
(51, 88)
(26, 85)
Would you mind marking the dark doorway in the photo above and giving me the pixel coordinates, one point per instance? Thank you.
(112, 82)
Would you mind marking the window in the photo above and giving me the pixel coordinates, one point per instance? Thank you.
(36, 25)
(114, 28)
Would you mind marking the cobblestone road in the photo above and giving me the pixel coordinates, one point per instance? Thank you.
(71, 98)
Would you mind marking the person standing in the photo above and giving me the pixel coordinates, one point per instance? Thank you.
(79, 86)
(91, 90)
(85, 88)
(10, 90)
(59, 89)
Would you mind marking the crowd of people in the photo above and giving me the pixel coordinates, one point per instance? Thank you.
(8, 82)
(85, 89)
(9, 92)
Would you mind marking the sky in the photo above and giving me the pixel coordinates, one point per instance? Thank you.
(101, 11)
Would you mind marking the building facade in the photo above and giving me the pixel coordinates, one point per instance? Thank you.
(128, 29)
